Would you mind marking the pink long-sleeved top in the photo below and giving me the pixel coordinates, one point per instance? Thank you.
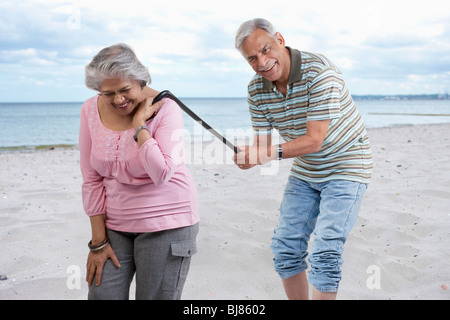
(143, 189)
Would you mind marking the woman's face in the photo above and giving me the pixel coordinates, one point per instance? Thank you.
(122, 95)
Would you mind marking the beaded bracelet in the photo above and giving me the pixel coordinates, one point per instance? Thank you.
(99, 246)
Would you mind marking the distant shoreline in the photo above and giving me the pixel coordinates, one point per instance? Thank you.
(37, 148)
(434, 96)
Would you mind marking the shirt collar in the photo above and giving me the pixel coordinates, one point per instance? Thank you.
(294, 73)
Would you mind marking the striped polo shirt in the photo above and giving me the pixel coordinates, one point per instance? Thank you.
(316, 91)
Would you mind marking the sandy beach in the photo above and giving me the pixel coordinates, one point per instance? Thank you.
(398, 249)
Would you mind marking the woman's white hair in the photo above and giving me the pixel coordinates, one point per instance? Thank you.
(248, 27)
(117, 61)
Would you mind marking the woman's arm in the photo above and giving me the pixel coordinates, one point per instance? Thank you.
(160, 154)
(146, 111)
(96, 259)
(93, 195)
(98, 229)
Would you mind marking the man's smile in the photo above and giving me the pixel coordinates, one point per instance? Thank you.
(269, 68)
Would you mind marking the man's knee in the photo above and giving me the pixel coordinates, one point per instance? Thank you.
(288, 261)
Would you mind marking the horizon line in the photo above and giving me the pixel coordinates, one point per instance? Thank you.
(423, 96)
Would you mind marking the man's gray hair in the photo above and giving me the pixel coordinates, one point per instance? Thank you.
(115, 62)
(248, 27)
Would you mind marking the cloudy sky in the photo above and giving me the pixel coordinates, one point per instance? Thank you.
(382, 47)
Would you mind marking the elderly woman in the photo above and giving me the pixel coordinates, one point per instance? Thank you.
(139, 195)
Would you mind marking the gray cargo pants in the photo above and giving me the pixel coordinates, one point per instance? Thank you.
(160, 261)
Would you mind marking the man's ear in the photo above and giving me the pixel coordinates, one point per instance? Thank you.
(280, 39)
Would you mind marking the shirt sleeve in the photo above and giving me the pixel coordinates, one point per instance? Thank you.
(93, 192)
(325, 93)
(161, 154)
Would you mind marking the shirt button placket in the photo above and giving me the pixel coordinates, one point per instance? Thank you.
(286, 99)
(117, 147)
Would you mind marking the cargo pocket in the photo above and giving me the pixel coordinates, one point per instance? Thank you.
(177, 268)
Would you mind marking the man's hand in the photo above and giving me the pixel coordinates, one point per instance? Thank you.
(250, 156)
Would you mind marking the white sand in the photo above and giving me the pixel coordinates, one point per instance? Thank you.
(398, 249)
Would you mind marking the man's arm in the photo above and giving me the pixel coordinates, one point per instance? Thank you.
(311, 142)
(263, 151)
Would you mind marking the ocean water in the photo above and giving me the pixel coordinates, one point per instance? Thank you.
(50, 124)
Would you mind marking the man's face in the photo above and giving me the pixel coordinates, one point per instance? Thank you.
(266, 55)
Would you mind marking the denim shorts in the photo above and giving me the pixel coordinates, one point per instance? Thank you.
(328, 211)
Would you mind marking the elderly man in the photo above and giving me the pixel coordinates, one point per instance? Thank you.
(304, 97)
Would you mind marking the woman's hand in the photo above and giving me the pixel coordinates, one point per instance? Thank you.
(145, 111)
(96, 261)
